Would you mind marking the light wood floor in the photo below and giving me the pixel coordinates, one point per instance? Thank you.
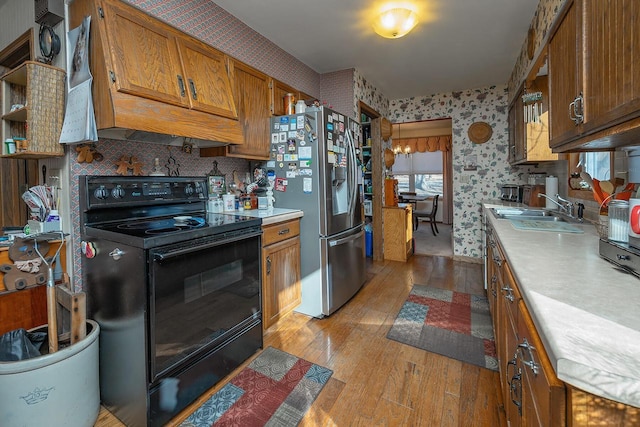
(376, 381)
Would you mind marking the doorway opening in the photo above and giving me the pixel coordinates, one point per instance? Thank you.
(424, 167)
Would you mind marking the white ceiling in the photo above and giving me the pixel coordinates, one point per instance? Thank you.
(457, 45)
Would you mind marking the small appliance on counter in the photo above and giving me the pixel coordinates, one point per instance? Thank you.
(621, 254)
(511, 193)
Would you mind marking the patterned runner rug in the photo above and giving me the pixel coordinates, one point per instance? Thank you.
(453, 324)
(275, 389)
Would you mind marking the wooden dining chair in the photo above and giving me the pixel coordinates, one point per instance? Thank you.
(431, 216)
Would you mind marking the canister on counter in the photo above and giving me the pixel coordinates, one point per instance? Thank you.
(619, 220)
(289, 104)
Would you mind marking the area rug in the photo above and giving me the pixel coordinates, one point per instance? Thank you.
(453, 324)
(275, 389)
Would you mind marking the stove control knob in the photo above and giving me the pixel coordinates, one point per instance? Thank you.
(117, 192)
(101, 193)
(188, 190)
(199, 189)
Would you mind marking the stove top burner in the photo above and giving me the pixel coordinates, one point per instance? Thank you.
(164, 225)
(156, 231)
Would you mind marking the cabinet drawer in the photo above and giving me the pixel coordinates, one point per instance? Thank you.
(547, 391)
(274, 233)
(510, 293)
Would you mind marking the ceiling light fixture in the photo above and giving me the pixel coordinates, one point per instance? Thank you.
(395, 23)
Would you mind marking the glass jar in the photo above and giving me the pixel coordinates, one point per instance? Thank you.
(619, 221)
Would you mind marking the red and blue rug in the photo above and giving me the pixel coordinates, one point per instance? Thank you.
(275, 389)
(453, 324)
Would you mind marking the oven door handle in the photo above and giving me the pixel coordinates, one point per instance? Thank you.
(165, 256)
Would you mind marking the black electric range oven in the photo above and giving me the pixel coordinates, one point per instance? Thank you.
(176, 291)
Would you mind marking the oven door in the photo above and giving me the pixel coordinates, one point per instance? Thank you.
(202, 293)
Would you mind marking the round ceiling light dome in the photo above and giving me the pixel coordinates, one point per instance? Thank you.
(395, 23)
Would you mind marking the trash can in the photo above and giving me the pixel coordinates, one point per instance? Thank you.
(368, 240)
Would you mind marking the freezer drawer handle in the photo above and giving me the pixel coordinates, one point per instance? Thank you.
(285, 231)
(346, 239)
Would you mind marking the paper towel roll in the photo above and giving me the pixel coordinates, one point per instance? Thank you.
(551, 189)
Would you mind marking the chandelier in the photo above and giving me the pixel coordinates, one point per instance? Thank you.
(398, 149)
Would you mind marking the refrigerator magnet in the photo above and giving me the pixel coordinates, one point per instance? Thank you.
(291, 174)
(275, 138)
(331, 157)
(341, 127)
(304, 152)
(284, 120)
(330, 118)
(279, 158)
(306, 172)
(291, 144)
(282, 137)
(280, 184)
(300, 135)
(335, 116)
(340, 118)
(305, 163)
(330, 126)
(307, 185)
(300, 122)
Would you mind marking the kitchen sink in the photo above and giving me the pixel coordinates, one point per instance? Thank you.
(526, 213)
(536, 219)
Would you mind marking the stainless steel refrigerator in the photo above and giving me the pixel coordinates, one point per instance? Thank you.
(314, 159)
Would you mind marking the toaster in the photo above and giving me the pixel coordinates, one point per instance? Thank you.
(511, 193)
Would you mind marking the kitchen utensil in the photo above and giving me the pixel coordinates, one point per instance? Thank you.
(587, 178)
(607, 187)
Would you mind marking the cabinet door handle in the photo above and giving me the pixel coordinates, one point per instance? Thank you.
(283, 231)
(268, 265)
(181, 85)
(194, 94)
(579, 108)
(531, 363)
(509, 293)
(515, 383)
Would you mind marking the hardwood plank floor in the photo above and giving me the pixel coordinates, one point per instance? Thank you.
(380, 382)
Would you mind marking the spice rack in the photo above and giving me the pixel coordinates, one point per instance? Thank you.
(39, 91)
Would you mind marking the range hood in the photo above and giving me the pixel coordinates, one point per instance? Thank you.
(165, 88)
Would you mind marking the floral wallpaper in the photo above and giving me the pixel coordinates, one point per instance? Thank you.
(365, 91)
(464, 108)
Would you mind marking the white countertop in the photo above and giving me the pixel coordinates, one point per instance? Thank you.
(586, 312)
(273, 215)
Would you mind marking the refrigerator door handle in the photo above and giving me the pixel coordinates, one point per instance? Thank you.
(353, 180)
(346, 239)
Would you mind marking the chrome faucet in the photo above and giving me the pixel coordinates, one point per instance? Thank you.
(565, 205)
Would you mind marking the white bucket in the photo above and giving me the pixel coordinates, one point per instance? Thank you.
(59, 389)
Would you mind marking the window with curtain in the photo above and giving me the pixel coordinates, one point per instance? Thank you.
(421, 173)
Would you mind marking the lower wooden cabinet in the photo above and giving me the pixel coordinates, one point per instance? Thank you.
(280, 270)
(398, 233)
(532, 393)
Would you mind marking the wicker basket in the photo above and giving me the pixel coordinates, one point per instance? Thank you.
(603, 226)
(41, 89)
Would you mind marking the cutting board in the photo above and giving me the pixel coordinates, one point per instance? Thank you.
(556, 226)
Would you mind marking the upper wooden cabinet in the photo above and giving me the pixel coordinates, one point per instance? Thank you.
(593, 69)
(151, 77)
(529, 136)
(251, 92)
(279, 90)
(207, 79)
